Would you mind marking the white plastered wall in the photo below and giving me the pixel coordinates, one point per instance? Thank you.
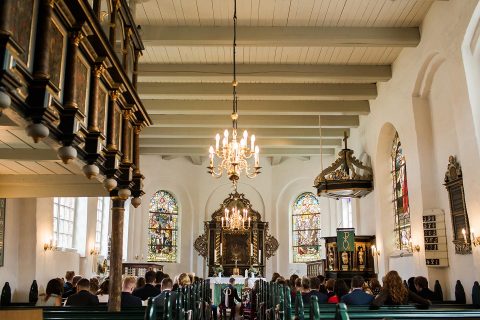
(427, 102)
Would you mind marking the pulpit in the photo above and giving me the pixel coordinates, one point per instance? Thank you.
(243, 244)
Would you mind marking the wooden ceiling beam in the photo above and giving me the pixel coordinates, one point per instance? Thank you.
(260, 133)
(208, 121)
(258, 91)
(263, 73)
(264, 143)
(264, 152)
(259, 107)
(157, 35)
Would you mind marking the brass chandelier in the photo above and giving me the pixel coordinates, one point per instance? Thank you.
(234, 156)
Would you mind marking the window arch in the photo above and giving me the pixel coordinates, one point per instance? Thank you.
(401, 206)
(163, 227)
(306, 231)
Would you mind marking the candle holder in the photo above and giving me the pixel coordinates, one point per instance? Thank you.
(462, 247)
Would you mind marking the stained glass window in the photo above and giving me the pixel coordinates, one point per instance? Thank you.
(163, 227)
(306, 231)
(401, 207)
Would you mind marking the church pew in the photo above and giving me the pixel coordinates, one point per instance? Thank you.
(345, 313)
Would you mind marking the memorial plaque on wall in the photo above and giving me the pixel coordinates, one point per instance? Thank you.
(2, 230)
(435, 239)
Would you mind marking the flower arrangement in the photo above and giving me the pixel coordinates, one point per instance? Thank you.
(253, 270)
(217, 270)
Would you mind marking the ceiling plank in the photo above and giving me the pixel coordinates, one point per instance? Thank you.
(258, 107)
(28, 154)
(259, 91)
(263, 151)
(263, 73)
(264, 143)
(157, 35)
(260, 133)
(206, 121)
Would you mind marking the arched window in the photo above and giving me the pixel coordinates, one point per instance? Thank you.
(306, 230)
(401, 207)
(163, 227)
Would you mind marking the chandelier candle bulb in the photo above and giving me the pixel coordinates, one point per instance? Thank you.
(464, 235)
(245, 135)
(217, 141)
(252, 142)
(249, 219)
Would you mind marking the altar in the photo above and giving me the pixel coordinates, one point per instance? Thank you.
(217, 284)
(235, 243)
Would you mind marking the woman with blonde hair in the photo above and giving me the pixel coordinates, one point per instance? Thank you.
(395, 293)
(183, 280)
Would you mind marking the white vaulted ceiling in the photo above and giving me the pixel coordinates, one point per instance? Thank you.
(307, 69)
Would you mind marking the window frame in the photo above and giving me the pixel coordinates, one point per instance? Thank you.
(294, 247)
(175, 231)
(401, 224)
(56, 222)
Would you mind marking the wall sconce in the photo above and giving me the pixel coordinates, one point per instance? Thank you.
(49, 246)
(375, 252)
(94, 252)
(412, 247)
(475, 240)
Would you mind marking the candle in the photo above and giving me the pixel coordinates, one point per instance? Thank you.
(211, 156)
(222, 222)
(373, 250)
(257, 150)
(251, 249)
(249, 219)
(217, 141)
(464, 235)
(225, 134)
(259, 256)
(221, 249)
(252, 142)
(245, 136)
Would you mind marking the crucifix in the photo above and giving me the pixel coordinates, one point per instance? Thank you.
(345, 137)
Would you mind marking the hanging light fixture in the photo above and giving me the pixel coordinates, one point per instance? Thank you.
(347, 177)
(234, 156)
(236, 214)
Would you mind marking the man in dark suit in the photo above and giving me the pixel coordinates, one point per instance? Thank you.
(322, 288)
(149, 289)
(83, 297)
(229, 295)
(159, 300)
(421, 285)
(129, 300)
(68, 288)
(315, 290)
(357, 296)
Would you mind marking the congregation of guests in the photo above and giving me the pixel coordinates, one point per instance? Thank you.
(77, 291)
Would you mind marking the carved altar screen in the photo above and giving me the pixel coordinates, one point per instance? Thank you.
(306, 232)
(400, 196)
(163, 227)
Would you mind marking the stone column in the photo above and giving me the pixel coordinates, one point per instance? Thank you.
(116, 247)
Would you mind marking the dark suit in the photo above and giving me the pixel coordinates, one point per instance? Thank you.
(68, 290)
(231, 301)
(159, 302)
(146, 292)
(322, 297)
(357, 297)
(129, 300)
(82, 298)
(426, 293)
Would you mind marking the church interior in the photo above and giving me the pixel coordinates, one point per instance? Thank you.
(111, 164)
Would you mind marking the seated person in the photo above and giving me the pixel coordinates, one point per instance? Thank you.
(52, 295)
(395, 293)
(129, 300)
(421, 286)
(357, 296)
(68, 288)
(149, 289)
(315, 284)
(229, 295)
(159, 300)
(83, 297)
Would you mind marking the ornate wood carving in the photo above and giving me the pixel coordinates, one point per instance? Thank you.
(458, 208)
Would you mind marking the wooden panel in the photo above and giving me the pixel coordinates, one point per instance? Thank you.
(21, 25)
(12, 140)
(6, 170)
(15, 166)
(54, 166)
(35, 167)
